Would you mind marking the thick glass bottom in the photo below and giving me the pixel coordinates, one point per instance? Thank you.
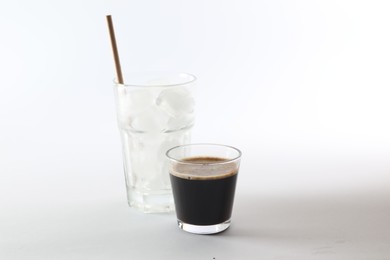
(203, 230)
(148, 202)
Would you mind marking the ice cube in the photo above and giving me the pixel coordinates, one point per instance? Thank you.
(151, 119)
(182, 122)
(133, 102)
(176, 101)
(138, 100)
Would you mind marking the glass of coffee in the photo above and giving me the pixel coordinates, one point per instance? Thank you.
(203, 179)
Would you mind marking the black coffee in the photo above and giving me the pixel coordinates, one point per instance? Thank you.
(202, 198)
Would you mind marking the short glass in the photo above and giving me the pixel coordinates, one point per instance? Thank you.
(203, 179)
(155, 111)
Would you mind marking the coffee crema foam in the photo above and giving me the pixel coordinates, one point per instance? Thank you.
(204, 168)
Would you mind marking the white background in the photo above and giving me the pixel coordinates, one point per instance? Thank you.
(301, 87)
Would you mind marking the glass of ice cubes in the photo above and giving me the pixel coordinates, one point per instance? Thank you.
(155, 112)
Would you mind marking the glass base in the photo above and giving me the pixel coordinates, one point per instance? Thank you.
(147, 202)
(203, 230)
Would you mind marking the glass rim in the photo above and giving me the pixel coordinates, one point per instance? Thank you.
(204, 144)
(192, 78)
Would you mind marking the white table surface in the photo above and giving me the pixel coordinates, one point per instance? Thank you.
(263, 228)
(79, 213)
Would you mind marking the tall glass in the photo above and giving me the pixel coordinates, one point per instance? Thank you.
(155, 112)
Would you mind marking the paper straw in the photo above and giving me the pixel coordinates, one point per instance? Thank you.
(114, 49)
